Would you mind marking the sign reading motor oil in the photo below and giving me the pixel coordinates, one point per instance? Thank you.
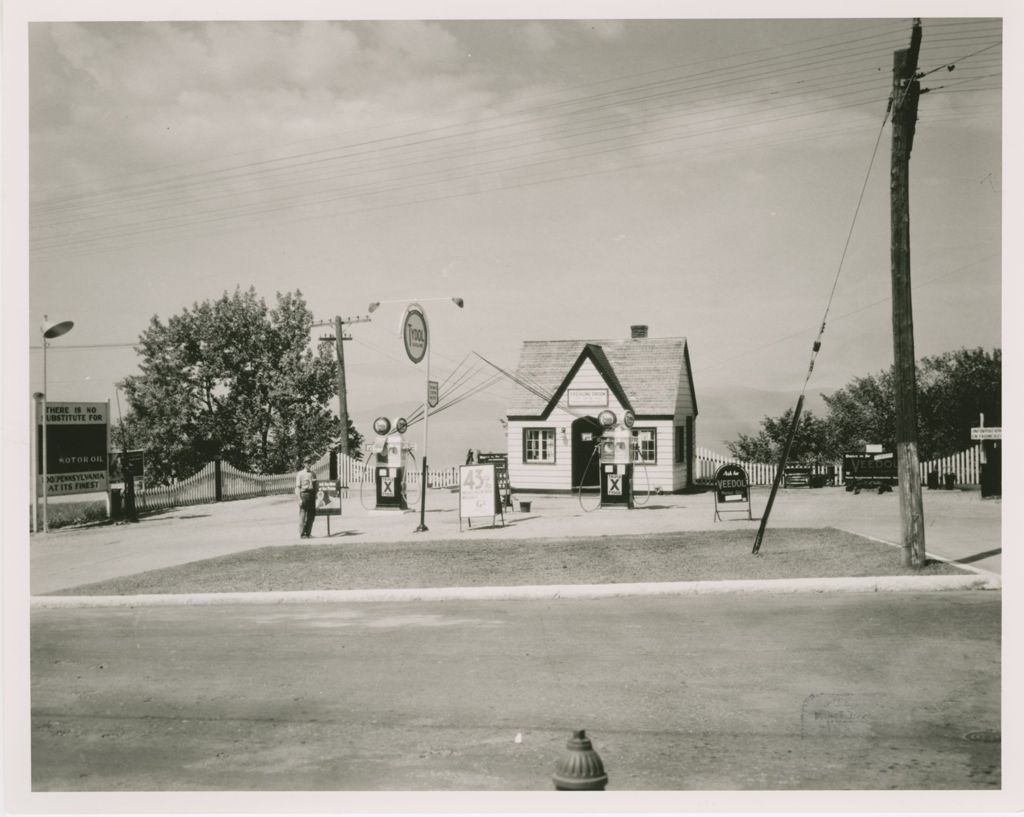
(77, 442)
(731, 486)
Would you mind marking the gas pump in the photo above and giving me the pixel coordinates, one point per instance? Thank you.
(388, 450)
(616, 447)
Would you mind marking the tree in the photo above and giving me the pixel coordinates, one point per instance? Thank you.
(863, 411)
(809, 442)
(232, 379)
(952, 390)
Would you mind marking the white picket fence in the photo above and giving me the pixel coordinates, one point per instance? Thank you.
(965, 466)
(201, 487)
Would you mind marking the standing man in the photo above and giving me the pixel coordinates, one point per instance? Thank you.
(305, 490)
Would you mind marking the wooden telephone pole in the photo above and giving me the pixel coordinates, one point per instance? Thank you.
(339, 336)
(905, 92)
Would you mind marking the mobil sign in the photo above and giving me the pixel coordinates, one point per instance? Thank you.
(77, 436)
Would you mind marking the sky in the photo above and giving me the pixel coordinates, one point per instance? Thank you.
(723, 180)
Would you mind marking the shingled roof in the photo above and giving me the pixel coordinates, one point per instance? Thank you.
(646, 371)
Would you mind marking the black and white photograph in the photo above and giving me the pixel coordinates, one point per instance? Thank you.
(448, 407)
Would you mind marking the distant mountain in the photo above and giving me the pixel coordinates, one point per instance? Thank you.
(727, 412)
(452, 432)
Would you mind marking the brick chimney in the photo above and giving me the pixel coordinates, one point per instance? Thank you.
(638, 331)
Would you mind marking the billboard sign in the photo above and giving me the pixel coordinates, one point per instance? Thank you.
(872, 470)
(77, 436)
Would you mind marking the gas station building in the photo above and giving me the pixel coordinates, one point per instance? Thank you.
(564, 385)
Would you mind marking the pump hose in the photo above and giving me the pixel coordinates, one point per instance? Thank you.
(647, 477)
(362, 482)
(405, 483)
(579, 490)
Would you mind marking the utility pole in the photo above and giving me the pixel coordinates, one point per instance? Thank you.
(905, 92)
(338, 338)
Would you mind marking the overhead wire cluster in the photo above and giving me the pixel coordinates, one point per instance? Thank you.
(475, 374)
(611, 119)
(746, 102)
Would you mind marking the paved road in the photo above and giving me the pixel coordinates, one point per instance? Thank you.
(960, 525)
(835, 691)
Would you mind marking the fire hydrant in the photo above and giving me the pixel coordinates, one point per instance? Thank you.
(580, 768)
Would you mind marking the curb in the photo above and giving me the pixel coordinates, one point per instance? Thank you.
(860, 584)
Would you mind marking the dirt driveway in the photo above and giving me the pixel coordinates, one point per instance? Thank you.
(959, 525)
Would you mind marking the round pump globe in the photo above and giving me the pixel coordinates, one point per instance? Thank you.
(607, 418)
(401, 425)
(382, 425)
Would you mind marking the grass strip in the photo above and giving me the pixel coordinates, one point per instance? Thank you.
(660, 557)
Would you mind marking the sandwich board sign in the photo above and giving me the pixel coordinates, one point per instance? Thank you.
(328, 501)
(732, 490)
(501, 471)
(478, 493)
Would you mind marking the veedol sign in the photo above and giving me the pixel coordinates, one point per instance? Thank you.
(414, 333)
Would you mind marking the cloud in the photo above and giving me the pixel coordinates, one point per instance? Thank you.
(108, 97)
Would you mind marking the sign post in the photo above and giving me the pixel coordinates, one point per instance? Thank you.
(416, 337)
(991, 457)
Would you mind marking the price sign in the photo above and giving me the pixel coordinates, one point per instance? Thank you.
(432, 395)
(478, 491)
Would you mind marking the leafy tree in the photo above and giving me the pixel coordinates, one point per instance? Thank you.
(952, 390)
(234, 379)
(863, 411)
(809, 442)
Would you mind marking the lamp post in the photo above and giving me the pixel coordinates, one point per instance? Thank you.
(34, 443)
(50, 331)
(416, 337)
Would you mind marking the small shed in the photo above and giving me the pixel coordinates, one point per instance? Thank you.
(563, 385)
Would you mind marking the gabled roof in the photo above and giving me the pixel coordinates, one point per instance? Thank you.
(643, 373)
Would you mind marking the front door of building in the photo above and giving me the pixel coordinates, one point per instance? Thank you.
(586, 472)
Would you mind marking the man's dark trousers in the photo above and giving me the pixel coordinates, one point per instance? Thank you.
(307, 512)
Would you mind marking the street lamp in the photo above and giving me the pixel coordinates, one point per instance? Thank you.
(414, 308)
(50, 331)
(376, 304)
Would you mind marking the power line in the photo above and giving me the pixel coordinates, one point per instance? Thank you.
(866, 29)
